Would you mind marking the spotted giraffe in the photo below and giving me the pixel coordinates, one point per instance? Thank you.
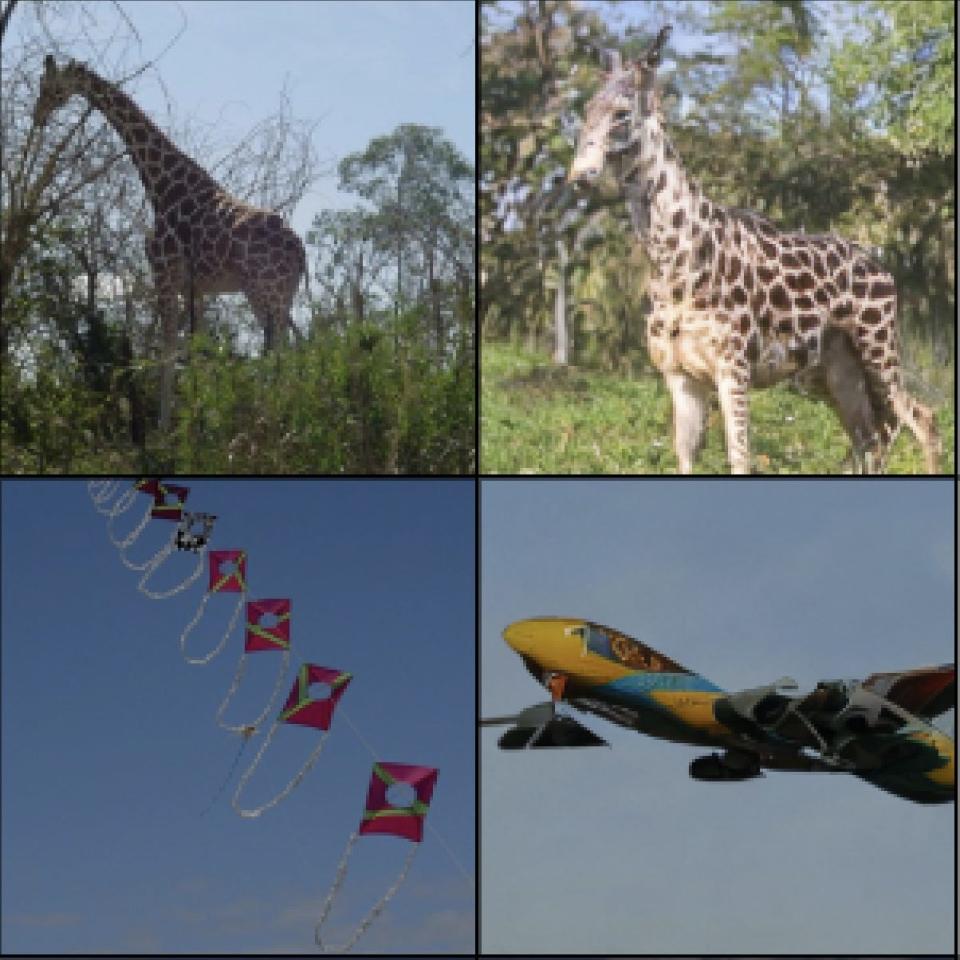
(736, 302)
(203, 241)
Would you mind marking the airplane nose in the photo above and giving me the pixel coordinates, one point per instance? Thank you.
(517, 636)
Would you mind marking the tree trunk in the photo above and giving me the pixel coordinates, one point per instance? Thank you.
(561, 350)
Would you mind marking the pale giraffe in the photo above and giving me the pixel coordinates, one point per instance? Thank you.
(203, 241)
(737, 303)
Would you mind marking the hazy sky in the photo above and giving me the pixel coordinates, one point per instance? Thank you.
(618, 850)
(111, 753)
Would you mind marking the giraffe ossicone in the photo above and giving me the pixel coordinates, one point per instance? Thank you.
(203, 241)
(736, 302)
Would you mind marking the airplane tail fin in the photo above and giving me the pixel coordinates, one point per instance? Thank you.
(926, 692)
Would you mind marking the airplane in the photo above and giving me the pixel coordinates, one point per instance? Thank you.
(877, 729)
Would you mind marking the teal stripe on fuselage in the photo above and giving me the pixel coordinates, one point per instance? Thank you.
(635, 693)
(641, 684)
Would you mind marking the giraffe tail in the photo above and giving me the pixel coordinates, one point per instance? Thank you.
(922, 424)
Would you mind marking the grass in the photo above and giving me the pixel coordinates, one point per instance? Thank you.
(540, 418)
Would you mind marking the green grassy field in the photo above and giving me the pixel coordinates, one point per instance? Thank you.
(540, 418)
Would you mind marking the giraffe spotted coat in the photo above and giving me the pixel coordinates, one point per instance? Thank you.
(738, 303)
(203, 241)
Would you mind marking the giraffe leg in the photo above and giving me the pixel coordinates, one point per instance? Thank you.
(732, 387)
(882, 366)
(901, 408)
(849, 392)
(168, 349)
(689, 417)
(272, 317)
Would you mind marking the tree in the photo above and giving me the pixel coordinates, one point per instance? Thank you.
(419, 206)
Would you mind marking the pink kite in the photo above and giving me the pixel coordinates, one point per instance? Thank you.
(233, 581)
(309, 712)
(260, 637)
(380, 816)
(302, 709)
(163, 509)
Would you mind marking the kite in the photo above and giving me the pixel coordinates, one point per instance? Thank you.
(228, 574)
(261, 636)
(192, 536)
(382, 816)
(268, 628)
(300, 708)
(168, 501)
(193, 531)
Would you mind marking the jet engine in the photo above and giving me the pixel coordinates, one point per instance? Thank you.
(725, 767)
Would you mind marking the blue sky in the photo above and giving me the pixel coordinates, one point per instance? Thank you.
(111, 753)
(359, 68)
(619, 851)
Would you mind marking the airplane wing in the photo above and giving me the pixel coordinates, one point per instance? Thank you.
(926, 692)
(540, 726)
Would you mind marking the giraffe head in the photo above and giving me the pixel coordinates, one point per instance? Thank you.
(56, 87)
(612, 119)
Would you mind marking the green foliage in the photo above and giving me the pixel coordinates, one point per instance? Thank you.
(539, 418)
(377, 388)
(372, 400)
(902, 74)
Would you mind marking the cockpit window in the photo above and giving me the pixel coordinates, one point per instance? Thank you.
(598, 642)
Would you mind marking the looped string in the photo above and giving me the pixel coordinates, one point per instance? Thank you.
(123, 544)
(158, 561)
(196, 619)
(304, 770)
(375, 910)
(241, 667)
(102, 491)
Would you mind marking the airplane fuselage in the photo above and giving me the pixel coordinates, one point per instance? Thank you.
(605, 672)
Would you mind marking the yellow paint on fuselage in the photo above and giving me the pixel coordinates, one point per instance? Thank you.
(694, 708)
(552, 644)
(557, 644)
(944, 776)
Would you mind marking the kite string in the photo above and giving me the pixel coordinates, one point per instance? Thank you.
(237, 677)
(196, 619)
(124, 544)
(374, 911)
(247, 734)
(157, 561)
(100, 492)
(256, 811)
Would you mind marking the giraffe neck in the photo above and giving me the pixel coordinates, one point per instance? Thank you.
(165, 171)
(662, 199)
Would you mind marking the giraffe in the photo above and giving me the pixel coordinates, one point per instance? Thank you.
(739, 304)
(203, 241)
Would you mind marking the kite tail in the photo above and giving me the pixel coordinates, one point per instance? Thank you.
(375, 910)
(256, 811)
